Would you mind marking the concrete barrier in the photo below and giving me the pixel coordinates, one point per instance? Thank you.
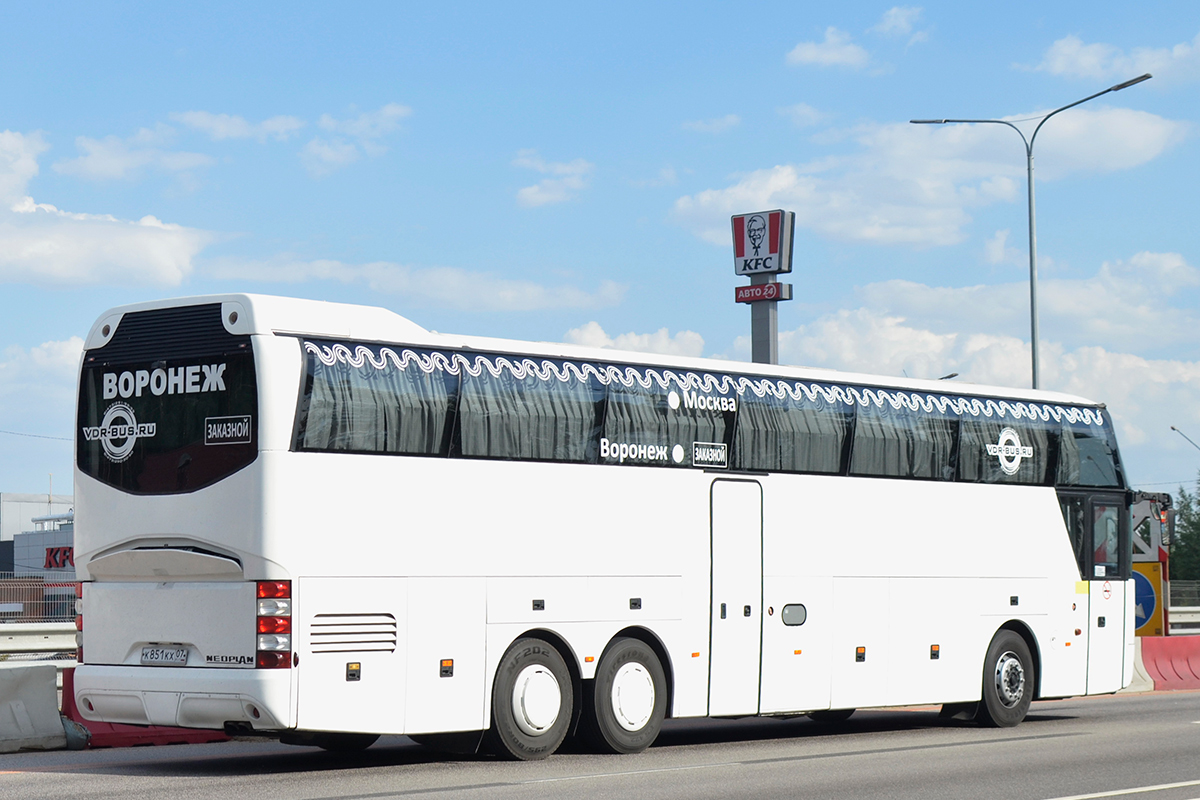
(1172, 662)
(29, 717)
(1142, 682)
(110, 734)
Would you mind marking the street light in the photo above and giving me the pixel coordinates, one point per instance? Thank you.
(1033, 312)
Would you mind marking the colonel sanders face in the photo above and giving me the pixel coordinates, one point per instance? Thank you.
(755, 229)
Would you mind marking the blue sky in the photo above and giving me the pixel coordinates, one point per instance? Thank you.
(566, 174)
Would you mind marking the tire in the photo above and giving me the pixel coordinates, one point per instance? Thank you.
(831, 717)
(1008, 681)
(628, 699)
(532, 701)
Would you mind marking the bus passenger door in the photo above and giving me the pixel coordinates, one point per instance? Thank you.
(735, 622)
(1109, 552)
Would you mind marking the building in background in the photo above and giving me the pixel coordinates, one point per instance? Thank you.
(17, 512)
(40, 585)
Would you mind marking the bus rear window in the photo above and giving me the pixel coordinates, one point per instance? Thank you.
(169, 405)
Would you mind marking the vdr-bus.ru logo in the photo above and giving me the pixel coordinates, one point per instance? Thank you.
(1009, 451)
(118, 432)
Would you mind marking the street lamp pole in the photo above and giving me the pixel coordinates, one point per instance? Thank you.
(1033, 307)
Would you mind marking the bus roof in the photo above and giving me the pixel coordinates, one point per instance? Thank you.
(268, 314)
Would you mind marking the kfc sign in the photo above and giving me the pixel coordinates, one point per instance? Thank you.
(762, 242)
(59, 558)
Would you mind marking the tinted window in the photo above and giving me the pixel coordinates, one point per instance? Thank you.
(902, 442)
(1088, 453)
(654, 418)
(1007, 451)
(376, 400)
(790, 433)
(170, 404)
(546, 412)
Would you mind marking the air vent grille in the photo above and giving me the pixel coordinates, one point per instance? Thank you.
(352, 633)
(182, 332)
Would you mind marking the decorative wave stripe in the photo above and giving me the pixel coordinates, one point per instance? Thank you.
(474, 364)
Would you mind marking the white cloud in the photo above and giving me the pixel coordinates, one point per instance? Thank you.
(322, 157)
(914, 184)
(997, 251)
(1069, 56)
(1122, 306)
(46, 372)
(568, 178)
(683, 343)
(369, 125)
(803, 115)
(114, 158)
(57, 359)
(1145, 396)
(42, 244)
(897, 21)
(351, 138)
(18, 163)
(447, 287)
(229, 126)
(716, 125)
(835, 51)
(667, 176)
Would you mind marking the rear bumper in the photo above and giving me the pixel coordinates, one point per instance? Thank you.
(185, 697)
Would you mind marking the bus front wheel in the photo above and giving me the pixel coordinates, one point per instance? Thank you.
(532, 701)
(1008, 681)
(628, 698)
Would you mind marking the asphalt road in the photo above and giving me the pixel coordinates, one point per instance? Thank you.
(1131, 746)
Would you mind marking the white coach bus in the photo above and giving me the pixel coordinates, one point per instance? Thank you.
(324, 523)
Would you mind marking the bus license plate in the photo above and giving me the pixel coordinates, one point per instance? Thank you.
(165, 655)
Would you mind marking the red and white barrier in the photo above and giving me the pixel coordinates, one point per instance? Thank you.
(1172, 662)
(108, 734)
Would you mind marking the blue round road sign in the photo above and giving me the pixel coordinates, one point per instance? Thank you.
(1144, 597)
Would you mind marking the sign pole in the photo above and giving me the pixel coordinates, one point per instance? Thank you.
(762, 248)
(764, 326)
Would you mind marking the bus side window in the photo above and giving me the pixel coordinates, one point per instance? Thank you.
(787, 434)
(900, 443)
(1073, 516)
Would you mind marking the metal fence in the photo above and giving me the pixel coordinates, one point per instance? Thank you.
(34, 598)
(1185, 594)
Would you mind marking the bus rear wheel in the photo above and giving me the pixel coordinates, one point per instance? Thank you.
(628, 698)
(532, 701)
(1008, 681)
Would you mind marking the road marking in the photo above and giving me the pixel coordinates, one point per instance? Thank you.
(630, 772)
(1139, 790)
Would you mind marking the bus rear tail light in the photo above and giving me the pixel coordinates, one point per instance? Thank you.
(274, 625)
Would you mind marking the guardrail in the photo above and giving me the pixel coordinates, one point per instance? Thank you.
(1184, 619)
(29, 642)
